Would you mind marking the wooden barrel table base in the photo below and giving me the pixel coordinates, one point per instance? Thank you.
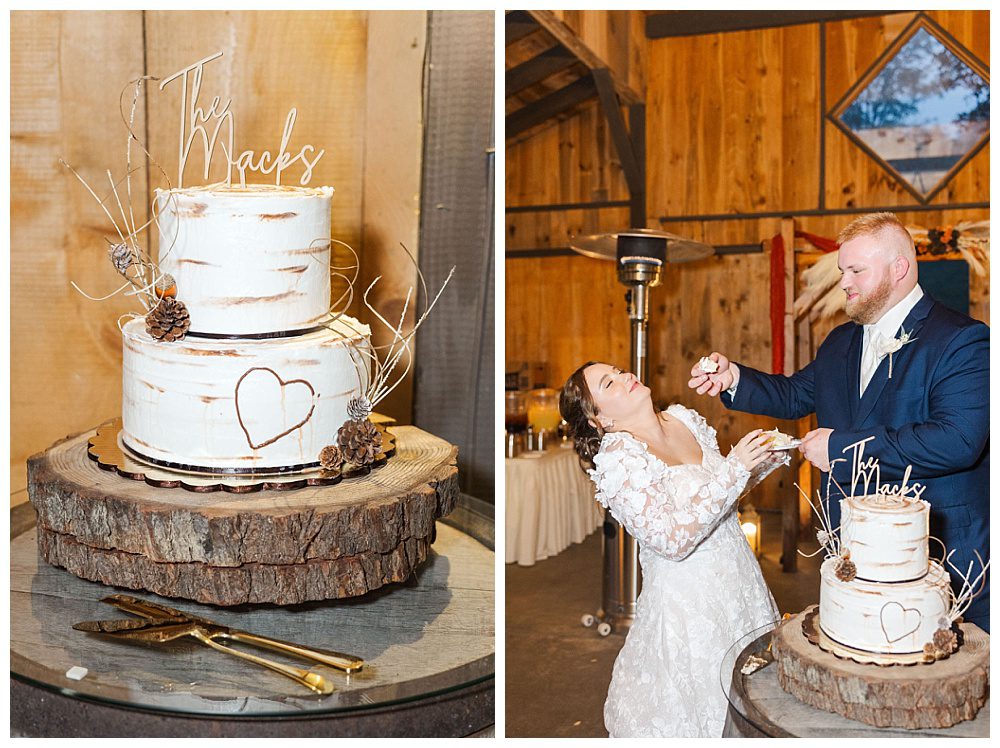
(280, 547)
(911, 696)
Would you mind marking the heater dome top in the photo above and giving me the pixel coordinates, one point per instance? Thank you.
(654, 246)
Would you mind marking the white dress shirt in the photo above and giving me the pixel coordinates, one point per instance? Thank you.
(886, 327)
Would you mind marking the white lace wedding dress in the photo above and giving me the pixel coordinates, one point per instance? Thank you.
(702, 587)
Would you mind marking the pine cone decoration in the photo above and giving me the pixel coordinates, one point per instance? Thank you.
(359, 442)
(930, 652)
(945, 640)
(358, 408)
(846, 570)
(168, 320)
(330, 457)
(120, 256)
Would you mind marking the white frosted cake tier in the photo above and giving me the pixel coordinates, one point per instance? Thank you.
(248, 260)
(239, 404)
(884, 618)
(887, 538)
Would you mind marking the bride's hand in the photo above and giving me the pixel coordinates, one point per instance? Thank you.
(751, 450)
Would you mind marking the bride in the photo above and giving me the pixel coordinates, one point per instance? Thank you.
(661, 475)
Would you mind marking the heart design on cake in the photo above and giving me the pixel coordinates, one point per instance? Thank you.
(898, 622)
(263, 399)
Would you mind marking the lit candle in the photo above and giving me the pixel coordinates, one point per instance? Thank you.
(750, 522)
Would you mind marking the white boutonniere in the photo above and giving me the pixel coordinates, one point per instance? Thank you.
(891, 345)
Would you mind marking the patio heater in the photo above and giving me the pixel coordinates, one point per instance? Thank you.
(639, 256)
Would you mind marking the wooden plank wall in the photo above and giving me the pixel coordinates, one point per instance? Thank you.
(734, 127)
(65, 350)
(67, 69)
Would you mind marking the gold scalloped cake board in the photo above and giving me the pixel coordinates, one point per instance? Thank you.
(107, 450)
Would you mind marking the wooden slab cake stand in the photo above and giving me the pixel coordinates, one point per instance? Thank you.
(916, 696)
(280, 547)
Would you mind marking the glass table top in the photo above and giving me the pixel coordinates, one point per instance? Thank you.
(431, 635)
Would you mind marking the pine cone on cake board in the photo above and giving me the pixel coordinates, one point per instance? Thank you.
(330, 457)
(360, 442)
(359, 439)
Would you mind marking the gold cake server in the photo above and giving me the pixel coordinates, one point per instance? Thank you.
(160, 612)
(168, 630)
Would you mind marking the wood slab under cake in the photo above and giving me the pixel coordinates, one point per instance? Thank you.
(920, 696)
(281, 547)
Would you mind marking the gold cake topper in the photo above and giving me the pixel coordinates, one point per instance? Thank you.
(868, 472)
(196, 121)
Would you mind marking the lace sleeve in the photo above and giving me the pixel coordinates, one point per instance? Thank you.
(773, 461)
(668, 511)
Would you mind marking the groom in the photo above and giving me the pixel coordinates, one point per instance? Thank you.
(931, 413)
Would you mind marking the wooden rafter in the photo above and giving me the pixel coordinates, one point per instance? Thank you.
(619, 133)
(565, 36)
(555, 103)
(538, 69)
(518, 24)
(693, 22)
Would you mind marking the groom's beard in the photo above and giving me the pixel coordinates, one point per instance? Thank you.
(867, 309)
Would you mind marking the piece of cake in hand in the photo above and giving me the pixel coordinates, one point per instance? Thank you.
(777, 440)
(707, 365)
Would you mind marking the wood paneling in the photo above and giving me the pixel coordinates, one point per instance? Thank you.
(392, 168)
(65, 349)
(67, 69)
(735, 124)
(564, 311)
(574, 161)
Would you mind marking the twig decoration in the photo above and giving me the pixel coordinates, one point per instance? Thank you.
(129, 259)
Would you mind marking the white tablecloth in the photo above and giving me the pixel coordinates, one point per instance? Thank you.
(550, 504)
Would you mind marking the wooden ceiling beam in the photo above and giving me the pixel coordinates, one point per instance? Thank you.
(545, 108)
(538, 69)
(619, 133)
(517, 25)
(694, 22)
(565, 36)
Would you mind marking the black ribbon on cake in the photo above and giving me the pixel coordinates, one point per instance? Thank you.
(255, 336)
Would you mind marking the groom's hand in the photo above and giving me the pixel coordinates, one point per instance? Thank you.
(714, 383)
(815, 447)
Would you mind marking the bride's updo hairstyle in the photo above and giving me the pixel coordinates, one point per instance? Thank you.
(578, 410)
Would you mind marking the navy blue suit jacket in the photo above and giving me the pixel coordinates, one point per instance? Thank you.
(932, 415)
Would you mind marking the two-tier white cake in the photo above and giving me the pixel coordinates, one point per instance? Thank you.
(262, 379)
(894, 598)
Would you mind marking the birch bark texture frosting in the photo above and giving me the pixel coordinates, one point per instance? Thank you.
(885, 618)
(239, 404)
(887, 540)
(248, 260)
(898, 597)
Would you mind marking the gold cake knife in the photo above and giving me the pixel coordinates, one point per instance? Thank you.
(168, 630)
(159, 612)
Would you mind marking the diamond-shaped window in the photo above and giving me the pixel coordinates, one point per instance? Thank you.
(922, 111)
